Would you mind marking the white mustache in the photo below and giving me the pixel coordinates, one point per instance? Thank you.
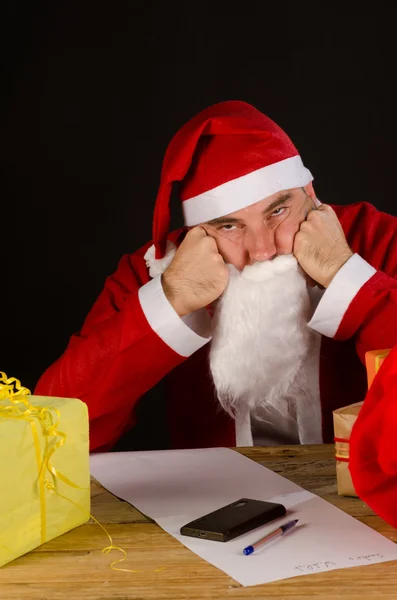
(267, 269)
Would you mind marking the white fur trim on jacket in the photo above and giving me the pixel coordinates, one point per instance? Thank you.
(157, 266)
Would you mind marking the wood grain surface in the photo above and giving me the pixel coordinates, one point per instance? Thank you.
(72, 567)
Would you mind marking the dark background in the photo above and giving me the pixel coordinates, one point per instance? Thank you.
(92, 94)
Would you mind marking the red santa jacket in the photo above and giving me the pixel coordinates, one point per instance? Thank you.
(131, 340)
(373, 453)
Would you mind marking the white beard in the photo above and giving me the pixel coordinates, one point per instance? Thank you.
(260, 339)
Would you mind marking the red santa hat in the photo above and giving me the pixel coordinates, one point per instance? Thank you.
(227, 157)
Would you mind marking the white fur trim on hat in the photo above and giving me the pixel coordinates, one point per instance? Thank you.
(246, 190)
(157, 266)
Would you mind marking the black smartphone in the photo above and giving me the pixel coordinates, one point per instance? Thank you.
(233, 520)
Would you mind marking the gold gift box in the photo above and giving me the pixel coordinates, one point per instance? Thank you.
(373, 362)
(44, 469)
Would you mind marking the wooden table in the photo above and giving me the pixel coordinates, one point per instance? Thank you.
(72, 567)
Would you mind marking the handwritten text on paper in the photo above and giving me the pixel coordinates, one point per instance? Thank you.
(329, 564)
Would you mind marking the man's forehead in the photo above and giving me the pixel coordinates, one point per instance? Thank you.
(266, 204)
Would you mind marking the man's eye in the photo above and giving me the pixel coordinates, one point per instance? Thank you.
(228, 227)
(278, 211)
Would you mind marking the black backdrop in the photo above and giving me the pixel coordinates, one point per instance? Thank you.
(95, 90)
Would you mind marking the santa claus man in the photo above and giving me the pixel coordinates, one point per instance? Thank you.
(257, 314)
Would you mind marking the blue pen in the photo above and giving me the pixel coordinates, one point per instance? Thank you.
(270, 536)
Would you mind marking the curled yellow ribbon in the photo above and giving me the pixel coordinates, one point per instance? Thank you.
(15, 405)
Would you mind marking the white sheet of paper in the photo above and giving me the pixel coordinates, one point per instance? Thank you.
(176, 486)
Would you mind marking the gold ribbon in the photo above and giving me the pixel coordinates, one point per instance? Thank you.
(342, 449)
(379, 358)
(15, 405)
(342, 453)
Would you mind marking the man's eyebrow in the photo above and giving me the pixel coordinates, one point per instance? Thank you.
(280, 200)
(226, 220)
(223, 221)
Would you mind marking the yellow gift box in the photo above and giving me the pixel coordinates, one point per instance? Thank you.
(44, 468)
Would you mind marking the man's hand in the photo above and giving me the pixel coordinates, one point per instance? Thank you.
(197, 275)
(320, 245)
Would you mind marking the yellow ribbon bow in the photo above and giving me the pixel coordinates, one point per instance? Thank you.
(14, 404)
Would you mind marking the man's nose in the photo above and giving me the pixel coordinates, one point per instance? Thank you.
(261, 245)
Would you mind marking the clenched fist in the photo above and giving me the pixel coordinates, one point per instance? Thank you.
(320, 245)
(197, 275)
